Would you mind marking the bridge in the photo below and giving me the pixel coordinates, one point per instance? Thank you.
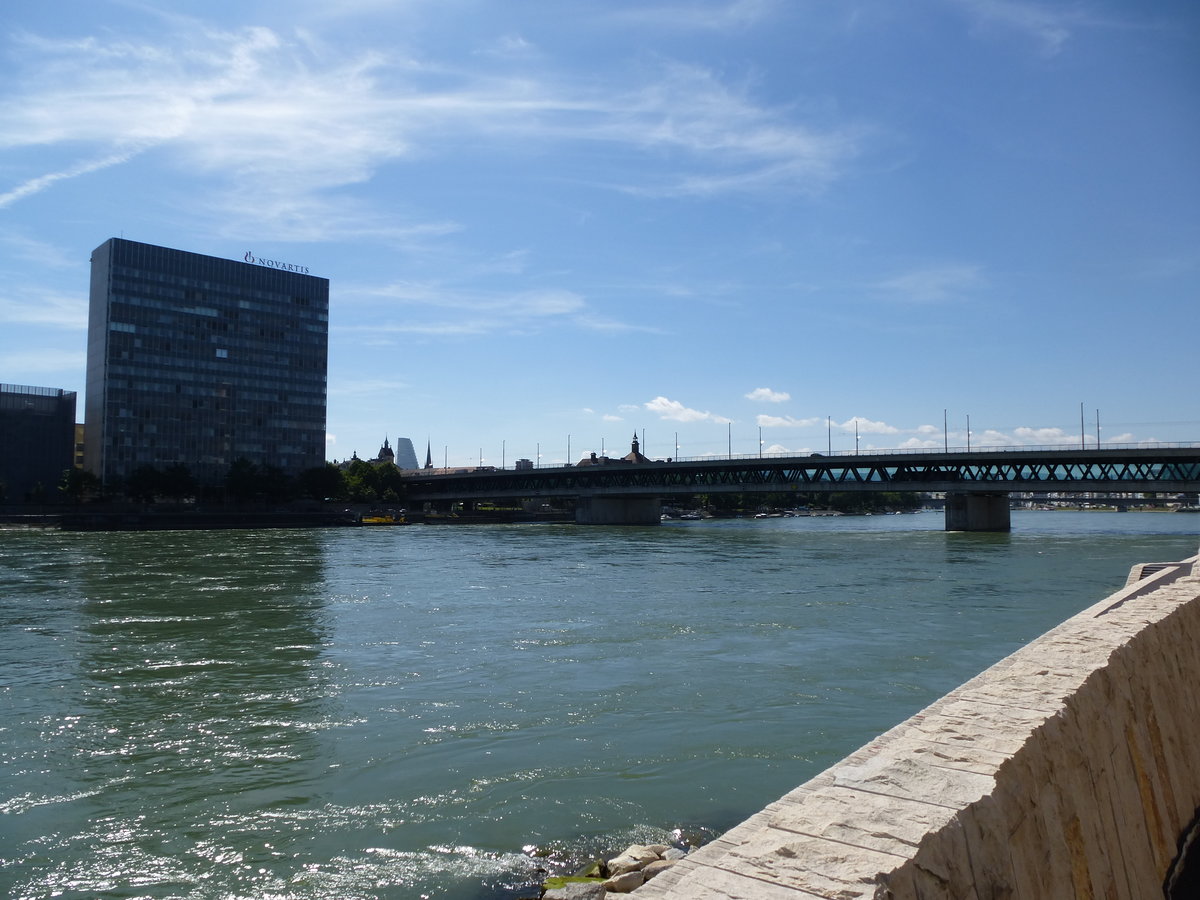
(976, 483)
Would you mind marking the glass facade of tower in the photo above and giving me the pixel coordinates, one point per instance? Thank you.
(198, 360)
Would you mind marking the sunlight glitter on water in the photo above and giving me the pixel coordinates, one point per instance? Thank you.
(476, 705)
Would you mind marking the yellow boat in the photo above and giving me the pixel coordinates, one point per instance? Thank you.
(383, 518)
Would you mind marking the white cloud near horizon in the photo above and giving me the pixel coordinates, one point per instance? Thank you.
(674, 411)
(765, 421)
(766, 395)
(866, 426)
(1045, 436)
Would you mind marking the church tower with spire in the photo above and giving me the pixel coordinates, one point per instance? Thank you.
(635, 453)
(385, 453)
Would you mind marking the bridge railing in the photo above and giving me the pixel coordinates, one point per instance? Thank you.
(904, 451)
(874, 451)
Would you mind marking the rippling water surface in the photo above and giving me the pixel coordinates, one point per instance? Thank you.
(419, 712)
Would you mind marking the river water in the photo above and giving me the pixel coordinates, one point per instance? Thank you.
(429, 711)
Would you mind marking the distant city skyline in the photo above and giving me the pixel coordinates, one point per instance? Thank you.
(725, 226)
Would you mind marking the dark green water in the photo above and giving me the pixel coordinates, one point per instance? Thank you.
(406, 712)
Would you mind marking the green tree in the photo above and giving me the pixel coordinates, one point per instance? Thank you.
(143, 484)
(390, 483)
(242, 480)
(177, 482)
(75, 484)
(274, 485)
(362, 482)
(322, 483)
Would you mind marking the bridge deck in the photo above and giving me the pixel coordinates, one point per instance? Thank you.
(1161, 469)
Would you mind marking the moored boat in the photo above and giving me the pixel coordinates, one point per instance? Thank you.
(380, 517)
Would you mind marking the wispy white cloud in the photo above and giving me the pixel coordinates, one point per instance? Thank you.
(503, 304)
(726, 142)
(36, 306)
(933, 284)
(932, 436)
(674, 411)
(367, 387)
(1051, 26)
(699, 16)
(765, 421)
(1027, 435)
(279, 127)
(40, 253)
(431, 308)
(867, 426)
(511, 47)
(40, 183)
(766, 395)
(45, 361)
(918, 443)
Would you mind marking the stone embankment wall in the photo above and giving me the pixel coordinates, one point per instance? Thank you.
(1071, 769)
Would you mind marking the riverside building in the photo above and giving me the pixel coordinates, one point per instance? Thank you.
(37, 438)
(202, 361)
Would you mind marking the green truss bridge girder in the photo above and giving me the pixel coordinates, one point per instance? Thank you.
(1161, 469)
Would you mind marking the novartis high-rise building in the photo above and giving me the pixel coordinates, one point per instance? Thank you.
(199, 360)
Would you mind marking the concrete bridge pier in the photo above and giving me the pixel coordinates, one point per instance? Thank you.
(978, 511)
(618, 511)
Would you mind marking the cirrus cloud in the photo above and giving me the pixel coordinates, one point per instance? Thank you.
(280, 125)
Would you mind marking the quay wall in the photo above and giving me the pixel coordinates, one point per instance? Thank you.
(1070, 769)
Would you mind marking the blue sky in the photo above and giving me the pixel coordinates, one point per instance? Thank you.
(549, 224)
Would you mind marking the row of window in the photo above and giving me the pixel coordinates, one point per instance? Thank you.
(290, 393)
(235, 284)
(249, 335)
(226, 370)
(136, 295)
